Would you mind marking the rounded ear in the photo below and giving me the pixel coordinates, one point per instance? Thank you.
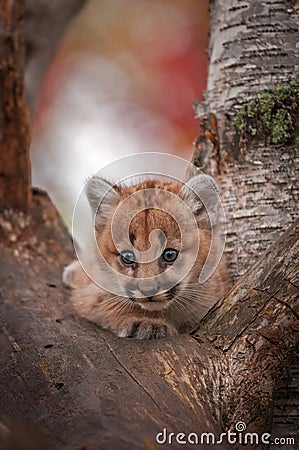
(102, 197)
(201, 195)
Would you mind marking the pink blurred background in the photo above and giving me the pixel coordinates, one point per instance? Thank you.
(122, 81)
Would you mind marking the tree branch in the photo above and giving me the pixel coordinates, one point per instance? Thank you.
(84, 386)
(256, 329)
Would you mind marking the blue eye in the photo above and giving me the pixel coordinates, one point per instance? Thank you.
(127, 257)
(170, 255)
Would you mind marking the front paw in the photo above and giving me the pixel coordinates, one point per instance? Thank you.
(148, 330)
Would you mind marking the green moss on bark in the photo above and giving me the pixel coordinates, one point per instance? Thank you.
(272, 116)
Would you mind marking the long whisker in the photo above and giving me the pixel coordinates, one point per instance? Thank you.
(192, 300)
(116, 305)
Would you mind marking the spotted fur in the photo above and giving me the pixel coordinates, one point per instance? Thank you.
(155, 312)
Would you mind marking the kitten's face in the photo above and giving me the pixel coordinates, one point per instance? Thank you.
(159, 255)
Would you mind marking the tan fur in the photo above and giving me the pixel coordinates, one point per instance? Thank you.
(167, 313)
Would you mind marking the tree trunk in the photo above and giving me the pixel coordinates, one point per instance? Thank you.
(253, 49)
(15, 174)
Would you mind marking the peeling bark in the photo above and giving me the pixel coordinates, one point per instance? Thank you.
(252, 48)
(263, 312)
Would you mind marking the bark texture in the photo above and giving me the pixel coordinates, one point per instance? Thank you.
(261, 332)
(86, 388)
(15, 174)
(252, 49)
(83, 386)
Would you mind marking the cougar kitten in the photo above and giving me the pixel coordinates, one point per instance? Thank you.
(152, 297)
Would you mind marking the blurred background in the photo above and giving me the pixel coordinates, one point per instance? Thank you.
(106, 79)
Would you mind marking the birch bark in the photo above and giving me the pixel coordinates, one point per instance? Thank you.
(253, 47)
